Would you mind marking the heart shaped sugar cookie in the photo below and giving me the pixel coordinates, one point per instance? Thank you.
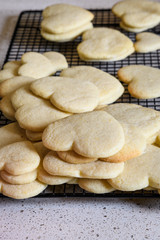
(68, 94)
(141, 126)
(147, 42)
(143, 81)
(93, 134)
(104, 44)
(109, 88)
(67, 36)
(19, 179)
(19, 158)
(61, 18)
(145, 120)
(21, 191)
(140, 172)
(98, 169)
(39, 65)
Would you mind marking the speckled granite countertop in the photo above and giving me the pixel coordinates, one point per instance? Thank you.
(71, 218)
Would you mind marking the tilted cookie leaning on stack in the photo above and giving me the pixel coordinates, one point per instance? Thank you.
(64, 22)
(137, 16)
(104, 44)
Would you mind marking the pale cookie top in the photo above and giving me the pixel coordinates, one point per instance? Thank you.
(93, 134)
(146, 120)
(140, 172)
(68, 94)
(147, 42)
(143, 80)
(39, 65)
(10, 69)
(19, 158)
(61, 18)
(109, 87)
(104, 43)
(99, 170)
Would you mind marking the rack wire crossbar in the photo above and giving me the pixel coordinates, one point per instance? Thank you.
(26, 37)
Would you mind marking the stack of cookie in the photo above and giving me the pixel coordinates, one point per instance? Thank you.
(21, 171)
(19, 161)
(80, 144)
(64, 22)
(101, 151)
(43, 101)
(137, 16)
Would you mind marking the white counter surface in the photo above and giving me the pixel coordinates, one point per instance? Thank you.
(71, 218)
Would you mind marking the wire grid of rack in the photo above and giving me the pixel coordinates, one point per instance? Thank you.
(27, 38)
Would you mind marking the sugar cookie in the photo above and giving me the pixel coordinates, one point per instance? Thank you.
(61, 18)
(39, 65)
(93, 134)
(104, 44)
(21, 191)
(140, 172)
(143, 81)
(98, 169)
(147, 42)
(67, 36)
(68, 94)
(109, 88)
(19, 158)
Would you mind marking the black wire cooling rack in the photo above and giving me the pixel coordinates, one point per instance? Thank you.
(27, 38)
